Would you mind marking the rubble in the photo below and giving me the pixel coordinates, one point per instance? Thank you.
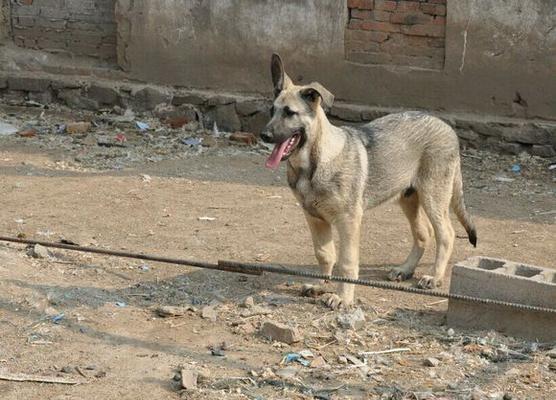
(280, 332)
(208, 312)
(189, 379)
(38, 251)
(353, 320)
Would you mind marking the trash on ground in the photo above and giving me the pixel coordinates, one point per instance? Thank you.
(7, 129)
(78, 127)
(142, 126)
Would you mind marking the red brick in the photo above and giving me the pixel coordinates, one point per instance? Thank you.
(366, 36)
(439, 21)
(385, 5)
(361, 14)
(355, 24)
(379, 26)
(381, 15)
(433, 9)
(424, 30)
(408, 6)
(437, 1)
(361, 4)
(411, 18)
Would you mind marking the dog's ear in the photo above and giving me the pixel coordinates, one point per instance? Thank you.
(280, 79)
(314, 93)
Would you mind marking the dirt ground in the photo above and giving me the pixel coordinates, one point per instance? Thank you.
(112, 341)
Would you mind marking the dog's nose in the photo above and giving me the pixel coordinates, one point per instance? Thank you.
(266, 136)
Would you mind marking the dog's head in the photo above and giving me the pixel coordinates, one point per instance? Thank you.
(294, 113)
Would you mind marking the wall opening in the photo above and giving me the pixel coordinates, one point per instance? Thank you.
(397, 32)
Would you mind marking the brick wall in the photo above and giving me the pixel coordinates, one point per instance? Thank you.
(81, 27)
(397, 32)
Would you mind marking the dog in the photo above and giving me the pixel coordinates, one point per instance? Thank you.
(336, 172)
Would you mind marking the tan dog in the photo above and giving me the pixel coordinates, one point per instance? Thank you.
(334, 171)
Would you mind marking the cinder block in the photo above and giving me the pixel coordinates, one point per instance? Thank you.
(496, 279)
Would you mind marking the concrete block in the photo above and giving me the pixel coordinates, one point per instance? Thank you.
(503, 280)
(28, 84)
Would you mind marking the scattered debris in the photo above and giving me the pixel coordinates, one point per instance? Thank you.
(516, 168)
(142, 126)
(374, 353)
(189, 378)
(206, 218)
(552, 353)
(503, 179)
(244, 137)
(121, 138)
(38, 251)
(431, 362)
(173, 311)
(121, 304)
(248, 302)
(77, 127)
(7, 129)
(353, 320)
(280, 332)
(28, 132)
(57, 318)
(318, 362)
(192, 141)
(17, 377)
(208, 312)
(287, 372)
(295, 357)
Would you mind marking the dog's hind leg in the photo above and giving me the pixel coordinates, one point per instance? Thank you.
(325, 252)
(421, 230)
(435, 199)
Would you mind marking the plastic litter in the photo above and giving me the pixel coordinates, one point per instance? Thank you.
(121, 304)
(57, 318)
(7, 129)
(295, 357)
(192, 141)
(516, 168)
(142, 126)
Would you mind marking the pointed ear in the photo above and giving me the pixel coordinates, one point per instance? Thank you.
(314, 93)
(280, 79)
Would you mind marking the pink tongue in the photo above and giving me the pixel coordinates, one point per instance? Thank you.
(274, 159)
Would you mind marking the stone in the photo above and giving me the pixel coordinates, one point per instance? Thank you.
(280, 332)
(545, 151)
(148, 98)
(41, 97)
(552, 353)
(287, 372)
(508, 281)
(250, 107)
(73, 99)
(244, 137)
(38, 251)
(28, 84)
(248, 302)
(318, 362)
(226, 118)
(78, 127)
(431, 362)
(173, 311)
(208, 312)
(255, 123)
(194, 99)
(189, 379)
(354, 320)
(105, 95)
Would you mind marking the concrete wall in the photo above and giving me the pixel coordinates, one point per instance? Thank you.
(500, 55)
(79, 27)
(4, 20)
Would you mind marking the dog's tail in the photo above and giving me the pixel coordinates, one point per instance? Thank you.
(458, 205)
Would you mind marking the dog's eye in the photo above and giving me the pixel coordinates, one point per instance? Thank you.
(288, 112)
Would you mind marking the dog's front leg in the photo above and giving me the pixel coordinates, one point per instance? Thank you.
(349, 231)
(325, 252)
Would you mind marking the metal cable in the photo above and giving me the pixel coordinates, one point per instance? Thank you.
(258, 269)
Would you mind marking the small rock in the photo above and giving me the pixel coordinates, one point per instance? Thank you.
(28, 132)
(38, 251)
(78, 127)
(280, 332)
(451, 332)
(552, 366)
(287, 372)
(353, 320)
(431, 362)
(208, 312)
(68, 370)
(318, 362)
(512, 372)
(189, 379)
(248, 302)
(172, 311)
(244, 137)
(552, 353)
(255, 310)
(203, 375)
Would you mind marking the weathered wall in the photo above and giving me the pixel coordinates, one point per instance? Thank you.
(4, 20)
(81, 27)
(500, 55)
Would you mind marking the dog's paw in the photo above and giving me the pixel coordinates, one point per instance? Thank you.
(428, 282)
(308, 290)
(399, 274)
(332, 301)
